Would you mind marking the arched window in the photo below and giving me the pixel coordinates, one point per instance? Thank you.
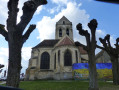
(45, 61)
(67, 31)
(59, 56)
(67, 58)
(64, 22)
(60, 32)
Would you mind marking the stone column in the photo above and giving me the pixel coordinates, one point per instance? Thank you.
(61, 59)
(39, 60)
(61, 63)
(73, 57)
(57, 64)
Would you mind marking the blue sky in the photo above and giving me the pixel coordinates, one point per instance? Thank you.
(76, 11)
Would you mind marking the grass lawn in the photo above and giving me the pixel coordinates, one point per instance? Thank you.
(64, 85)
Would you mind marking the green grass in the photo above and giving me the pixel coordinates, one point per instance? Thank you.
(64, 85)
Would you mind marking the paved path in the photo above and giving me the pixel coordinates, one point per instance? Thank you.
(3, 82)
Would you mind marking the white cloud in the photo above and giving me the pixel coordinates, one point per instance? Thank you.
(20, 5)
(3, 11)
(52, 11)
(26, 53)
(46, 28)
(72, 11)
(4, 57)
(59, 5)
(39, 9)
(58, 8)
(80, 4)
(100, 33)
(60, 1)
(4, 52)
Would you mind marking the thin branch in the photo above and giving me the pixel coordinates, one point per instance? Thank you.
(80, 44)
(29, 9)
(3, 32)
(100, 47)
(28, 32)
(103, 41)
(1, 66)
(117, 42)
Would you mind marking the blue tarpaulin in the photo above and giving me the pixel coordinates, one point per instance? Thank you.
(86, 66)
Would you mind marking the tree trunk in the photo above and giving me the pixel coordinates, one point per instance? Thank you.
(93, 84)
(115, 70)
(14, 66)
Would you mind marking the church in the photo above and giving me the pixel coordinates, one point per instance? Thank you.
(53, 58)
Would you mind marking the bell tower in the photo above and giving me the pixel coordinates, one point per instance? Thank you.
(63, 27)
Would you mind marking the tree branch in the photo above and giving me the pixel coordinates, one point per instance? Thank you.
(117, 45)
(79, 44)
(3, 32)
(1, 66)
(81, 31)
(93, 25)
(29, 9)
(12, 13)
(28, 32)
(107, 37)
(84, 33)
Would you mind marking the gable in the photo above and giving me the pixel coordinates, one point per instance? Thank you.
(64, 19)
(65, 41)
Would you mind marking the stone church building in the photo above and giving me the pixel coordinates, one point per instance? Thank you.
(53, 58)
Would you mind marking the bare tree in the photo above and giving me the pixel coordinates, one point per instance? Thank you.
(114, 55)
(90, 48)
(14, 35)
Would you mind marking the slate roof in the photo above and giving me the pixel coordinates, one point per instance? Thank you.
(47, 43)
(53, 42)
(82, 51)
